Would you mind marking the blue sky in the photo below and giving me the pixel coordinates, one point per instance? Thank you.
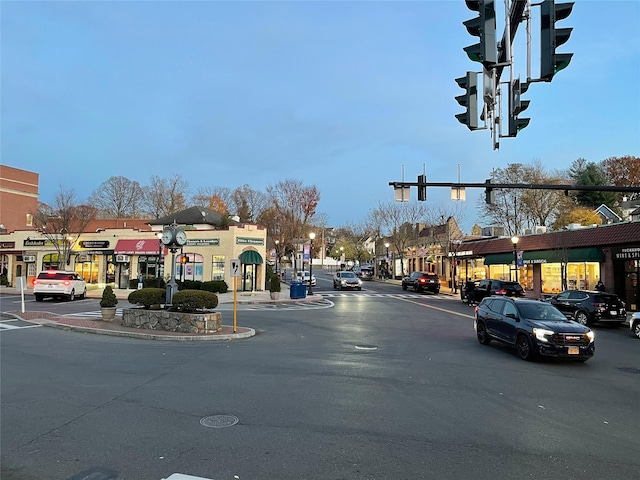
(336, 94)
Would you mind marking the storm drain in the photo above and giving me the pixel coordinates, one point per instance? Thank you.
(219, 421)
(366, 347)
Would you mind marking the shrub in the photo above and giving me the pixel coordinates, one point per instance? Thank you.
(274, 284)
(191, 285)
(193, 300)
(148, 297)
(108, 297)
(4, 280)
(216, 286)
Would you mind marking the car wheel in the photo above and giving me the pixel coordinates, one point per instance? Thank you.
(636, 329)
(84, 295)
(404, 287)
(418, 289)
(359, 289)
(481, 332)
(524, 348)
(72, 296)
(39, 297)
(582, 317)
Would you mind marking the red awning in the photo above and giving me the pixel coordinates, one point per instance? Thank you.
(147, 246)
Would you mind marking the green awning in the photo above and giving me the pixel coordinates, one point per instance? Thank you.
(250, 257)
(589, 254)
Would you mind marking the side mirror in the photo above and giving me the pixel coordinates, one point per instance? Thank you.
(514, 316)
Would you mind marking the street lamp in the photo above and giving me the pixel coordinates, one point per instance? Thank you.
(386, 261)
(514, 240)
(277, 242)
(342, 259)
(159, 235)
(312, 235)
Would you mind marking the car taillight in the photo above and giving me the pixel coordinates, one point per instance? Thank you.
(422, 280)
(475, 310)
(501, 292)
(67, 282)
(601, 307)
(35, 281)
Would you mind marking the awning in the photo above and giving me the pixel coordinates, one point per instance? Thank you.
(589, 254)
(250, 257)
(149, 246)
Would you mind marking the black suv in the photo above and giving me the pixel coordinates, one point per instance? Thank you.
(488, 287)
(533, 327)
(421, 281)
(587, 307)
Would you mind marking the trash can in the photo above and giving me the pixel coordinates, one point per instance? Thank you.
(297, 290)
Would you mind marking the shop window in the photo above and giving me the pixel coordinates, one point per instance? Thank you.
(88, 267)
(148, 266)
(50, 262)
(217, 267)
(192, 268)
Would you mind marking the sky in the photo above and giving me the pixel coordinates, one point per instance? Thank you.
(343, 95)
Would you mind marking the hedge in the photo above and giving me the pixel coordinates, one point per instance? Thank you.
(148, 297)
(193, 300)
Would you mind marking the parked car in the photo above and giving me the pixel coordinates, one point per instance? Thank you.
(533, 327)
(304, 277)
(421, 281)
(634, 324)
(588, 307)
(365, 273)
(487, 287)
(346, 279)
(59, 284)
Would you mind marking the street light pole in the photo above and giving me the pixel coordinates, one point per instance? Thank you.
(515, 240)
(312, 235)
(277, 242)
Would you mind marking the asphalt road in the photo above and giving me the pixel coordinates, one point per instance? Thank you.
(384, 384)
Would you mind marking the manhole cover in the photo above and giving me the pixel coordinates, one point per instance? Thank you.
(366, 347)
(219, 421)
(629, 369)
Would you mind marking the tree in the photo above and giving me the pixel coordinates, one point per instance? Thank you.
(118, 197)
(165, 196)
(507, 209)
(353, 238)
(398, 220)
(623, 172)
(292, 208)
(218, 199)
(63, 223)
(249, 203)
(582, 215)
(591, 174)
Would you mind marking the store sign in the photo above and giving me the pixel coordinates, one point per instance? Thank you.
(203, 242)
(249, 241)
(94, 243)
(7, 244)
(628, 253)
(41, 242)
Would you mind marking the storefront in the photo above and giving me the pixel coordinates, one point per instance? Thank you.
(626, 270)
(93, 261)
(135, 258)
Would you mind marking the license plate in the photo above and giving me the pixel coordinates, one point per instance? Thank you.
(574, 350)
(613, 312)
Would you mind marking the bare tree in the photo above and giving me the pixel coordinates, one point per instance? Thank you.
(398, 221)
(165, 196)
(248, 203)
(118, 197)
(63, 223)
(218, 199)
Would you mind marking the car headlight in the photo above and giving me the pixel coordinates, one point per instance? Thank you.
(591, 336)
(542, 334)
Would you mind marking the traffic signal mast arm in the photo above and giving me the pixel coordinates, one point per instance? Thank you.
(524, 186)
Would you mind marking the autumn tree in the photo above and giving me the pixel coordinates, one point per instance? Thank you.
(353, 237)
(63, 222)
(218, 199)
(582, 215)
(118, 197)
(623, 172)
(165, 196)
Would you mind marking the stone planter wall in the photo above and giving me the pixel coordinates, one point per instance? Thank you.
(172, 321)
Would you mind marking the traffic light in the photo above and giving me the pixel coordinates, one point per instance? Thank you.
(422, 189)
(469, 99)
(517, 106)
(484, 26)
(489, 195)
(184, 259)
(552, 37)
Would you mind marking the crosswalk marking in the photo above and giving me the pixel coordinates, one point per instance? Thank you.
(6, 325)
(384, 295)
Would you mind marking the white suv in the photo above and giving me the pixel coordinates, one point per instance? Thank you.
(59, 284)
(634, 324)
(304, 277)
